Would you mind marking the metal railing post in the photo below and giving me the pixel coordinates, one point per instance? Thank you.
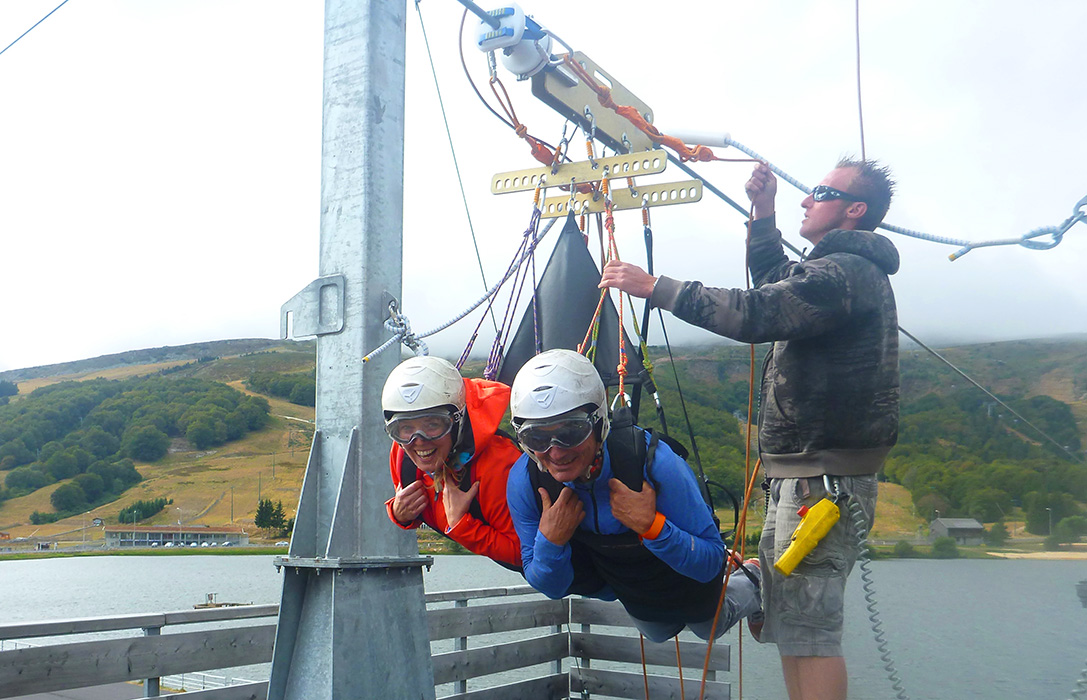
(151, 685)
(461, 644)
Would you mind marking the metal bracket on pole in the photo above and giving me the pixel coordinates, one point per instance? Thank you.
(567, 95)
(581, 172)
(643, 195)
(316, 310)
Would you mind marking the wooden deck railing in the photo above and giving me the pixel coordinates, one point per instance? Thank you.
(547, 649)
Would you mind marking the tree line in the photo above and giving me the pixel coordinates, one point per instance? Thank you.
(297, 387)
(141, 510)
(958, 452)
(92, 432)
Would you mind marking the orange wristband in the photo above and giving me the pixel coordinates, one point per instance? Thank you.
(654, 530)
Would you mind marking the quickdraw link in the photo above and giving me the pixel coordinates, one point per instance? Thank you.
(590, 137)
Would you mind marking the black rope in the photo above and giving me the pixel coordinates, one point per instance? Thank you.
(690, 429)
(988, 393)
(453, 152)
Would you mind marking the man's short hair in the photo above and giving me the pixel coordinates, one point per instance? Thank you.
(874, 185)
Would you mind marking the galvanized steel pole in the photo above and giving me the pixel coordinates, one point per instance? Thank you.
(352, 619)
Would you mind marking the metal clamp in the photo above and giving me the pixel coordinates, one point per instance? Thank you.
(316, 310)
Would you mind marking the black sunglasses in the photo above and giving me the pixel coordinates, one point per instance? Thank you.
(822, 193)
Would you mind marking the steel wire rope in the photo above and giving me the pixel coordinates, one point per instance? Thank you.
(32, 28)
(1079, 214)
(491, 292)
(453, 152)
(988, 393)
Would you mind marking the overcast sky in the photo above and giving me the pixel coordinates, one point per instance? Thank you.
(160, 160)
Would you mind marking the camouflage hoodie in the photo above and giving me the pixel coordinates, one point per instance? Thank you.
(830, 382)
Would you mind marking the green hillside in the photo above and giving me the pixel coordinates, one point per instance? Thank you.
(960, 453)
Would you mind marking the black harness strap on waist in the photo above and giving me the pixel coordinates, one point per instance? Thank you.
(410, 473)
(648, 588)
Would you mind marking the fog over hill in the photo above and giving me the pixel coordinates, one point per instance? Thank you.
(175, 353)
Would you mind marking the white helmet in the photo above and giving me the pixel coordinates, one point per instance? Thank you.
(421, 383)
(555, 382)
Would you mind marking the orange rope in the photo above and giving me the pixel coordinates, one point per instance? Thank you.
(645, 671)
(679, 666)
(539, 151)
(750, 476)
(631, 114)
(611, 254)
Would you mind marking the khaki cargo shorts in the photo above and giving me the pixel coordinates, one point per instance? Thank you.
(804, 611)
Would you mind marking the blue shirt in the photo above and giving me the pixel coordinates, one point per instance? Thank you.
(689, 543)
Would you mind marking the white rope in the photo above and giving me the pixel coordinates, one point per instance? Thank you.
(1079, 213)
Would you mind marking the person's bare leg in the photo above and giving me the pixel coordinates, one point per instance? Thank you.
(791, 672)
(815, 677)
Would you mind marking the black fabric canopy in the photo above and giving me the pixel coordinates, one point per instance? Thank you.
(566, 298)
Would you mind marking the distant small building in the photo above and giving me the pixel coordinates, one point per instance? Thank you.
(173, 535)
(965, 531)
(5, 535)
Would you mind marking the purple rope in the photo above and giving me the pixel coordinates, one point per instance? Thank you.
(475, 334)
(528, 244)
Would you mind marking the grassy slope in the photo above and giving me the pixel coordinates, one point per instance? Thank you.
(199, 482)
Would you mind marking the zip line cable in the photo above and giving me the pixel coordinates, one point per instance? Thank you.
(453, 152)
(988, 393)
(32, 28)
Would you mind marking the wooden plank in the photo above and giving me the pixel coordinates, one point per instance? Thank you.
(230, 612)
(631, 685)
(242, 691)
(62, 666)
(551, 687)
(482, 661)
(477, 593)
(485, 619)
(588, 611)
(27, 630)
(609, 647)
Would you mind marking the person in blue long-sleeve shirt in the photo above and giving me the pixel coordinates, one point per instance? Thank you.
(584, 531)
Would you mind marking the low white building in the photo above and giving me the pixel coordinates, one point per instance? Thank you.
(174, 535)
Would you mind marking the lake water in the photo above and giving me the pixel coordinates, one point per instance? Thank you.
(957, 630)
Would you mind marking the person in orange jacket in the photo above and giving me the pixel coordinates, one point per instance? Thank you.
(449, 461)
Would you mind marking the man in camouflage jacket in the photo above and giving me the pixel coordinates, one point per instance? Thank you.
(830, 390)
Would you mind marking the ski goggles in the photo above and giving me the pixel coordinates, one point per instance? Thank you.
(822, 193)
(405, 427)
(567, 432)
